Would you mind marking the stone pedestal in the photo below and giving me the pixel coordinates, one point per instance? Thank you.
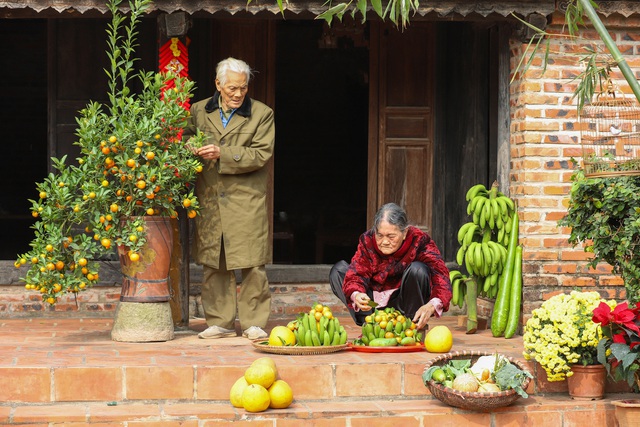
(143, 322)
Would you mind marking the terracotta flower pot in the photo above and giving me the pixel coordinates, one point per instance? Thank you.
(146, 280)
(627, 412)
(587, 382)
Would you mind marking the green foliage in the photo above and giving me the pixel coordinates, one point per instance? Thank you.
(133, 163)
(604, 216)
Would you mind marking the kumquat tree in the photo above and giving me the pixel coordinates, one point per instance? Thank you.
(133, 163)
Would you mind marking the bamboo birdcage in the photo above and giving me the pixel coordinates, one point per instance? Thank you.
(610, 134)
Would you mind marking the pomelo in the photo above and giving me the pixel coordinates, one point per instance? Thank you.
(438, 340)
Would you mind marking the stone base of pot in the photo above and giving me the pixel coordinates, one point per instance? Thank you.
(143, 322)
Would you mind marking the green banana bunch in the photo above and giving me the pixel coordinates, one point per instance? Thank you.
(489, 208)
(323, 332)
(458, 287)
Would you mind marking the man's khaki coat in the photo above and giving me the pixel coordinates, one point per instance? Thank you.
(232, 190)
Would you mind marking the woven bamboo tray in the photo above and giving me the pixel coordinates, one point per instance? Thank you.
(262, 345)
(472, 401)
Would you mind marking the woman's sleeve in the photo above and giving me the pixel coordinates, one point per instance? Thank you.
(357, 277)
(440, 283)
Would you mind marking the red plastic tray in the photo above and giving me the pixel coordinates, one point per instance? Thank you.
(397, 349)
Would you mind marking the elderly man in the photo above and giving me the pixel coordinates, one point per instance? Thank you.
(232, 228)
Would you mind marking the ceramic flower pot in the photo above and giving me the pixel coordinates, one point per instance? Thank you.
(627, 412)
(146, 280)
(587, 382)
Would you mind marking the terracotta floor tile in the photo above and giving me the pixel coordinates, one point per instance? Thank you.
(87, 384)
(25, 384)
(315, 422)
(155, 382)
(254, 421)
(202, 410)
(391, 421)
(52, 413)
(309, 382)
(165, 423)
(123, 411)
(41, 359)
(413, 406)
(338, 408)
(215, 382)
(5, 412)
(368, 380)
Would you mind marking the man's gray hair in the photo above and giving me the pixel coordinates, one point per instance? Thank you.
(393, 214)
(235, 65)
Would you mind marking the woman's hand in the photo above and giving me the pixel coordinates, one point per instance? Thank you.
(362, 301)
(423, 315)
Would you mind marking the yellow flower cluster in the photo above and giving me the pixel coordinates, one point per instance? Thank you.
(561, 333)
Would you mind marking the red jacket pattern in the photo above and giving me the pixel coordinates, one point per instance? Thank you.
(370, 269)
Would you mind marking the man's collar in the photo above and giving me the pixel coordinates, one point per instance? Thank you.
(213, 104)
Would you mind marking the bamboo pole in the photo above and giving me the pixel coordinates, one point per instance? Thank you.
(611, 45)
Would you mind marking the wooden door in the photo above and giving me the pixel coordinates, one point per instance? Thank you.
(401, 109)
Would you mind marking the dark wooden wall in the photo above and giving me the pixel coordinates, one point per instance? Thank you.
(465, 135)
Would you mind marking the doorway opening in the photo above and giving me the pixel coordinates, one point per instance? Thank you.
(24, 128)
(320, 161)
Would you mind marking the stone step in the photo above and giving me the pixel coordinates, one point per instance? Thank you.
(376, 412)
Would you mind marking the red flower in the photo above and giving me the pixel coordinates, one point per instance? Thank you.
(620, 338)
(602, 314)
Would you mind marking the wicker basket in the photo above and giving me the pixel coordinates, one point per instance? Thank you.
(472, 401)
(295, 350)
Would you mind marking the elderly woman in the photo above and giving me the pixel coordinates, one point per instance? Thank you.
(396, 265)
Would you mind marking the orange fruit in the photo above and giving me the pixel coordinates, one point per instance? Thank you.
(112, 139)
(191, 214)
(113, 207)
(150, 211)
(438, 340)
(141, 184)
(134, 257)
(82, 262)
(131, 163)
(106, 150)
(49, 248)
(42, 195)
(186, 203)
(151, 155)
(106, 243)
(280, 395)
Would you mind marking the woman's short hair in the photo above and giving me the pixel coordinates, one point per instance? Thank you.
(235, 65)
(393, 214)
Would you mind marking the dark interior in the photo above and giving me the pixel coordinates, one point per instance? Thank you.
(321, 148)
(23, 84)
(321, 145)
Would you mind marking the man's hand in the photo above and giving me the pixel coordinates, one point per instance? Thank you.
(423, 315)
(362, 301)
(209, 152)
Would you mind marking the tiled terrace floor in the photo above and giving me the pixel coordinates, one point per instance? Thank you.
(69, 372)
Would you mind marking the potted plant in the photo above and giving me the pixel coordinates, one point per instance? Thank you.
(604, 217)
(562, 337)
(133, 166)
(619, 353)
(619, 348)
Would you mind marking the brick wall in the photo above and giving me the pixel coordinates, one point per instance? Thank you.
(545, 135)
